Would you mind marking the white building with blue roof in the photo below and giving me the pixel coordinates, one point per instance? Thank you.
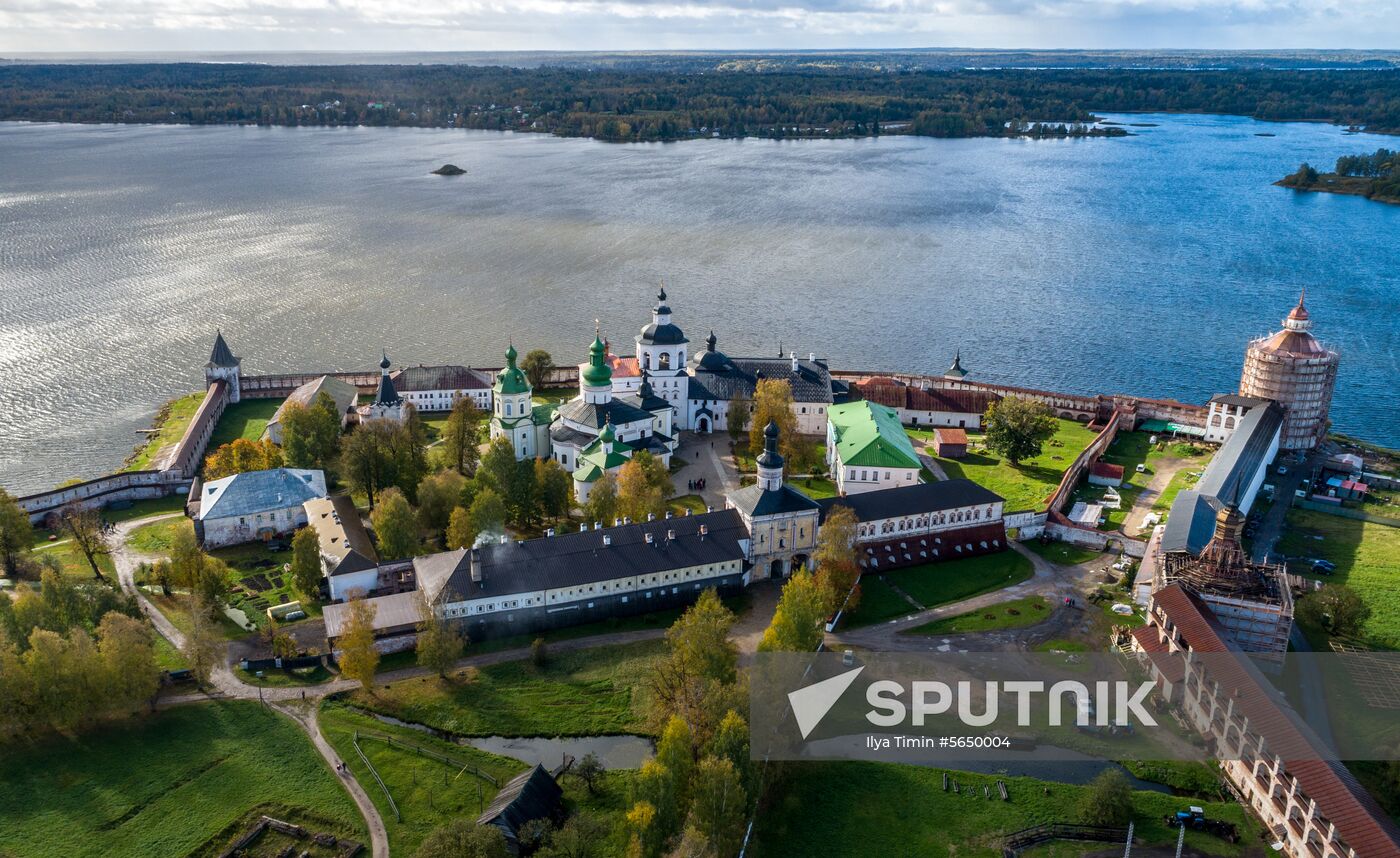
(255, 505)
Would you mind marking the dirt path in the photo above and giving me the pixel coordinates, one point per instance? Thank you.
(1162, 475)
(1052, 581)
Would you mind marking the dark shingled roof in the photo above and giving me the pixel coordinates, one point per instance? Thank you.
(589, 414)
(582, 558)
(738, 378)
(912, 500)
(562, 434)
(918, 399)
(222, 355)
(1237, 400)
(662, 335)
(755, 501)
(416, 378)
(529, 795)
(1191, 522)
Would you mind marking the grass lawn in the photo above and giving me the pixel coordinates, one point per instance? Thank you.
(1029, 484)
(176, 609)
(158, 536)
(252, 563)
(1184, 479)
(1061, 645)
(1062, 553)
(427, 792)
(877, 603)
(72, 563)
(245, 419)
(934, 584)
(861, 808)
(595, 691)
(815, 488)
(179, 782)
(172, 420)
(1367, 557)
(680, 504)
(1013, 614)
(143, 508)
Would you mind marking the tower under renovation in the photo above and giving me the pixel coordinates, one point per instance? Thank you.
(1251, 600)
(1295, 370)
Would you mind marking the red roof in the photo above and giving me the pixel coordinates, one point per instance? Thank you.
(950, 435)
(916, 399)
(1107, 469)
(1360, 821)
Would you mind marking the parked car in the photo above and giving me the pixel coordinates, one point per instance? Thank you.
(1282, 469)
(1323, 567)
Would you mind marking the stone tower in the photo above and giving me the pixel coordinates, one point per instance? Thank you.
(511, 404)
(1295, 370)
(223, 366)
(661, 354)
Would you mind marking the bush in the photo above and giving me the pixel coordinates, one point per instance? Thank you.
(539, 653)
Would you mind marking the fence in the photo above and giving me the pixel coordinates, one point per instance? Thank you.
(1343, 512)
(425, 752)
(355, 740)
(252, 664)
(1035, 835)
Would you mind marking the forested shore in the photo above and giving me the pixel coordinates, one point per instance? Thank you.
(646, 105)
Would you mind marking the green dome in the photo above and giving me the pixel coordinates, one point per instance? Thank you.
(598, 373)
(511, 379)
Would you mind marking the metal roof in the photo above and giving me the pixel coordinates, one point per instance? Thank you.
(913, 500)
(420, 378)
(400, 610)
(756, 501)
(341, 534)
(737, 378)
(870, 435)
(222, 355)
(596, 555)
(260, 491)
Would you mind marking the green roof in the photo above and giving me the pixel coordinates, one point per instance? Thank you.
(598, 373)
(542, 413)
(511, 379)
(595, 460)
(870, 435)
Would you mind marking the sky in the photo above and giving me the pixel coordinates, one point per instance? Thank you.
(467, 25)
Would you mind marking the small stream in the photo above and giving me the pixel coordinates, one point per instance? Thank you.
(614, 752)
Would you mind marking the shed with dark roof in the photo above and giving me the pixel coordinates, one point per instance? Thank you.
(530, 795)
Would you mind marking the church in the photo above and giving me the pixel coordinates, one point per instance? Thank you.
(639, 402)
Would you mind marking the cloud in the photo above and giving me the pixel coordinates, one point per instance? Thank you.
(38, 25)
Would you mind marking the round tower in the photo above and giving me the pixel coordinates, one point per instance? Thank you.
(1298, 372)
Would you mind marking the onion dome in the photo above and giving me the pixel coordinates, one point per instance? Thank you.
(511, 380)
(607, 436)
(598, 373)
(711, 358)
(384, 362)
(661, 332)
(770, 458)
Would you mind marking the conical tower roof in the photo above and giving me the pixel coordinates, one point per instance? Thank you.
(221, 356)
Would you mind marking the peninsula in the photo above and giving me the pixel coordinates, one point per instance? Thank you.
(1375, 177)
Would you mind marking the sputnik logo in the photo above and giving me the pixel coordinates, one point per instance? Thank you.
(810, 704)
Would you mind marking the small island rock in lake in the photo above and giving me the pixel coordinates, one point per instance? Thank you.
(449, 170)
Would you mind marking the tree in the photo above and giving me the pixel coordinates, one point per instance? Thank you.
(537, 365)
(731, 742)
(581, 837)
(358, 657)
(440, 643)
(1337, 608)
(1107, 800)
(16, 534)
(534, 834)
(84, 527)
(381, 454)
(797, 622)
(772, 402)
(676, 752)
(205, 577)
(460, 533)
(1305, 177)
(204, 645)
(463, 838)
(643, 841)
(719, 805)
(129, 661)
(554, 489)
(311, 435)
(697, 679)
(512, 480)
(737, 417)
(589, 770)
(306, 563)
(835, 558)
(655, 785)
(460, 437)
(437, 495)
(539, 653)
(240, 457)
(643, 487)
(488, 513)
(1017, 428)
(602, 505)
(395, 526)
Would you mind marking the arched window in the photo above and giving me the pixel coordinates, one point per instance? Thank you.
(646, 361)
(664, 361)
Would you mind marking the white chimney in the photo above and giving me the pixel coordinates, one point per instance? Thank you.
(793, 355)
(650, 539)
(607, 539)
(583, 528)
(668, 513)
(704, 530)
(597, 525)
(504, 539)
(549, 532)
(812, 356)
(671, 536)
(651, 516)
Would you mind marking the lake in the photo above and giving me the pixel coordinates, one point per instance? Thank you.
(1136, 265)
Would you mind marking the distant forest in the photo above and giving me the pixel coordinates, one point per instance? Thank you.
(641, 104)
(1375, 176)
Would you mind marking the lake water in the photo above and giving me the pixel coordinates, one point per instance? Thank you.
(1140, 264)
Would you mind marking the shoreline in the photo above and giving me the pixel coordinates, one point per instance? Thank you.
(1348, 186)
